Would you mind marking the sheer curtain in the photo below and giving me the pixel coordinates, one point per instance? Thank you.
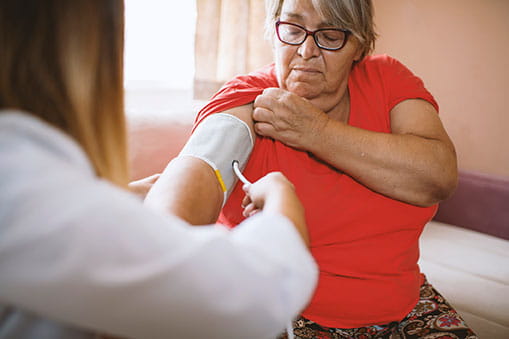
(229, 41)
(190, 47)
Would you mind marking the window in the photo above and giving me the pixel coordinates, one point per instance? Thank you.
(159, 44)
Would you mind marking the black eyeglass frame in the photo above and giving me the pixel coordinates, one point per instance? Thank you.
(313, 34)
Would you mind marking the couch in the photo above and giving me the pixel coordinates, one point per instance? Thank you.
(464, 250)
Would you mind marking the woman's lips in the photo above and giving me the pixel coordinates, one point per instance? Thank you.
(306, 69)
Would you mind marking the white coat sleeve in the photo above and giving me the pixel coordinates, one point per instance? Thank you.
(78, 250)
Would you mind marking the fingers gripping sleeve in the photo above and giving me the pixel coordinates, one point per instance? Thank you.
(219, 140)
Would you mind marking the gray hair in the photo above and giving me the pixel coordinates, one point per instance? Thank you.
(354, 15)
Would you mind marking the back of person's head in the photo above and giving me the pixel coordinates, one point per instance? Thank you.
(62, 60)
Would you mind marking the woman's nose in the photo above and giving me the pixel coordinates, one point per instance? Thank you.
(309, 49)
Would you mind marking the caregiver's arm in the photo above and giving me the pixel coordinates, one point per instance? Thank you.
(108, 264)
(189, 188)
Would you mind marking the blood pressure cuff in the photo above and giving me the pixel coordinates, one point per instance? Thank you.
(218, 140)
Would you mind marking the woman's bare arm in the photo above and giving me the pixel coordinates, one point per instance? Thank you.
(189, 188)
(416, 163)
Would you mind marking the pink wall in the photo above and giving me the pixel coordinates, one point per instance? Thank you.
(460, 48)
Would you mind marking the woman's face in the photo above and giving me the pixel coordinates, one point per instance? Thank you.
(307, 70)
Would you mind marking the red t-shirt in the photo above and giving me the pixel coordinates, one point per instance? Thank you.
(366, 244)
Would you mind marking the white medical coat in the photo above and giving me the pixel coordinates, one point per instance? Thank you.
(78, 255)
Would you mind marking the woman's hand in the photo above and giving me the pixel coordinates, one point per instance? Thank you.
(142, 186)
(288, 118)
(273, 193)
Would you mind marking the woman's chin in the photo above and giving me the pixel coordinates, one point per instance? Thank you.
(304, 90)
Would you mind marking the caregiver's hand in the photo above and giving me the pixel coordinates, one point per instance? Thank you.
(288, 118)
(273, 193)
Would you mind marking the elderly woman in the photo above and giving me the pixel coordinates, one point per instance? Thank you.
(360, 138)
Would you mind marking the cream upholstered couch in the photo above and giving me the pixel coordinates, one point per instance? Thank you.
(470, 268)
(469, 263)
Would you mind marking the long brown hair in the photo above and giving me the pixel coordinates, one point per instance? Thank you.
(62, 61)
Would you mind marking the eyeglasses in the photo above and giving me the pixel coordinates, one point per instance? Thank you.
(331, 39)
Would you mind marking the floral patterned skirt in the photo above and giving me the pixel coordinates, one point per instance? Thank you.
(432, 318)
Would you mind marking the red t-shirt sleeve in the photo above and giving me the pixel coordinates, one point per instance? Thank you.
(401, 84)
(239, 91)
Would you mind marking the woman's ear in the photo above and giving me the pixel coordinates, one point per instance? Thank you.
(359, 50)
(358, 54)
